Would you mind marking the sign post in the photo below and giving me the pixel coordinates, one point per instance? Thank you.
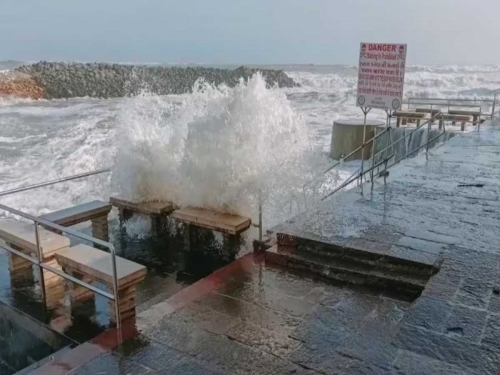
(381, 76)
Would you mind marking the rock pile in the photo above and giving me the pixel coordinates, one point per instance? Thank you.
(103, 80)
(20, 85)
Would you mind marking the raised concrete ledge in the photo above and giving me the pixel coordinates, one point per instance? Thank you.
(146, 208)
(218, 221)
(78, 214)
(23, 235)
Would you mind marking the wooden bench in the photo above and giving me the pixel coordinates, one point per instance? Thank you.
(156, 210)
(96, 211)
(217, 221)
(454, 118)
(403, 117)
(21, 236)
(476, 115)
(93, 265)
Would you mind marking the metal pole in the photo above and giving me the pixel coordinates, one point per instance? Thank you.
(493, 106)
(115, 287)
(260, 213)
(365, 112)
(374, 149)
(40, 260)
(428, 137)
(47, 183)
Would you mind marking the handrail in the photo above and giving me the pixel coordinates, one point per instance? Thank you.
(38, 261)
(454, 102)
(342, 160)
(53, 182)
(361, 173)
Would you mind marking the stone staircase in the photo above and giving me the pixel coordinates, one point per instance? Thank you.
(396, 276)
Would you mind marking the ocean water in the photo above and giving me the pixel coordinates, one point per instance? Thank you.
(216, 147)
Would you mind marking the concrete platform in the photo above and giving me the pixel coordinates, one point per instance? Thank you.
(146, 208)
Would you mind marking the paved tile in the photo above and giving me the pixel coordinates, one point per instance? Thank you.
(429, 313)
(443, 348)
(408, 363)
(474, 293)
(383, 322)
(111, 364)
(465, 323)
(492, 332)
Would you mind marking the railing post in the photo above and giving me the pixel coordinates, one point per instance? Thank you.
(493, 106)
(115, 286)
(260, 219)
(39, 255)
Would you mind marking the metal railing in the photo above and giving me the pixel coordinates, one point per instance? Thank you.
(491, 104)
(53, 182)
(38, 261)
(382, 157)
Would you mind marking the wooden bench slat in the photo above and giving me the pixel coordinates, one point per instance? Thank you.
(409, 114)
(147, 208)
(428, 110)
(464, 112)
(96, 264)
(23, 235)
(78, 214)
(222, 222)
(449, 117)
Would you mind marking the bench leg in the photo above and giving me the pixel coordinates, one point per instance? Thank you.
(229, 247)
(100, 228)
(418, 122)
(126, 304)
(474, 118)
(54, 284)
(405, 121)
(158, 225)
(187, 234)
(441, 124)
(20, 269)
(398, 122)
(462, 127)
(77, 293)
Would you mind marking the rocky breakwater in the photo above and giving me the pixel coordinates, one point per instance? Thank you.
(20, 85)
(103, 80)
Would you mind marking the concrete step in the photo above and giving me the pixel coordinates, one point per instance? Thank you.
(407, 287)
(397, 262)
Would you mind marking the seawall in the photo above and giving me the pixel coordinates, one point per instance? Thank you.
(20, 85)
(102, 80)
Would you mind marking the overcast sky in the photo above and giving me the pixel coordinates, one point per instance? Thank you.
(248, 31)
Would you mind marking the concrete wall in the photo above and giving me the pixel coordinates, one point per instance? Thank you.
(348, 135)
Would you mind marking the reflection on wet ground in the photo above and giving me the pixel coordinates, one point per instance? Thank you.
(172, 265)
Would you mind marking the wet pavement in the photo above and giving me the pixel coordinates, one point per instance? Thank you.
(255, 317)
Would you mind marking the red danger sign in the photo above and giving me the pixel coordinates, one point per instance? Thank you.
(381, 75)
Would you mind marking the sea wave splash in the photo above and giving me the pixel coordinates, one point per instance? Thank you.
(217, 148)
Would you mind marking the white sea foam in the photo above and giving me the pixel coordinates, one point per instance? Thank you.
(216, 148)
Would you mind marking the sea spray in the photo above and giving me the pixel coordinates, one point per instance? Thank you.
(218, 148)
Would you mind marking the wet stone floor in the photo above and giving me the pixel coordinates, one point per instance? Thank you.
(262, 319)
